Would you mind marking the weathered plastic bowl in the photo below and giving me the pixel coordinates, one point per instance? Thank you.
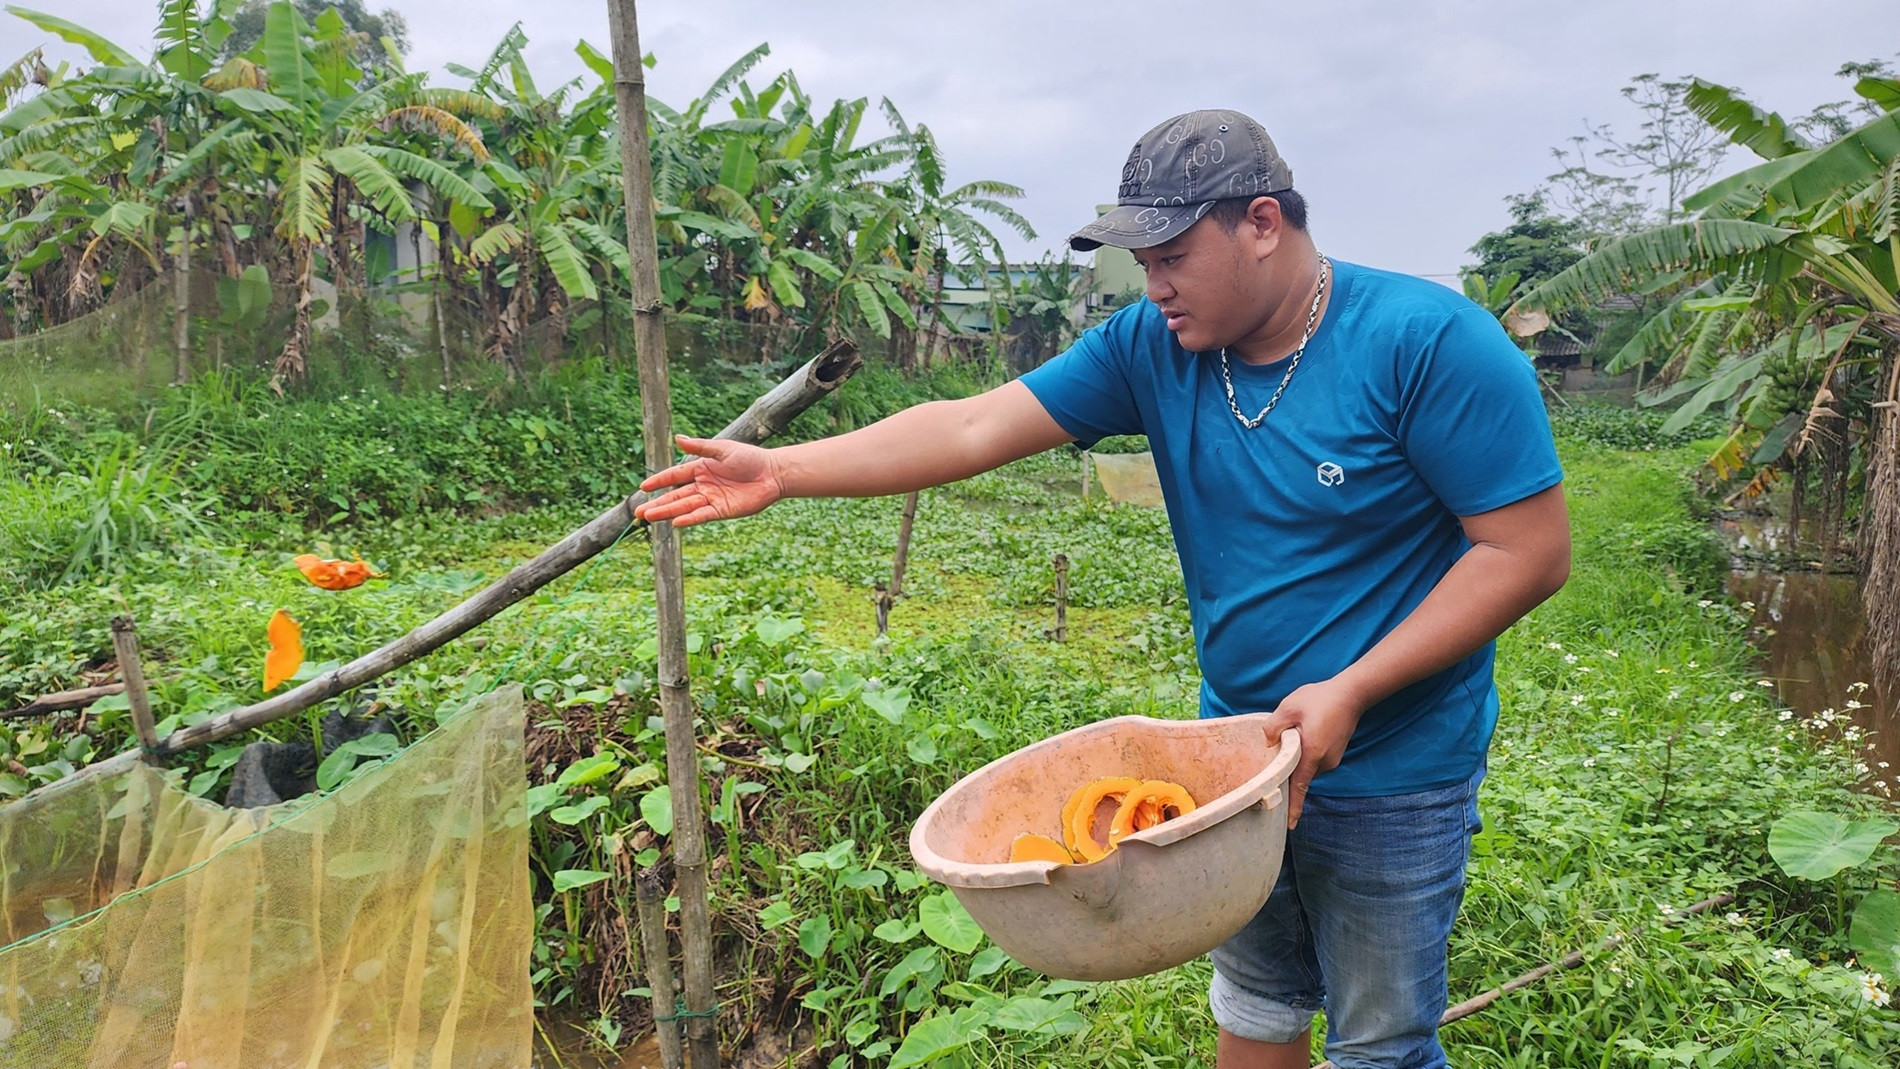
(1166, 895)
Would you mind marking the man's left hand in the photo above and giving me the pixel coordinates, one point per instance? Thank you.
(1324, 714)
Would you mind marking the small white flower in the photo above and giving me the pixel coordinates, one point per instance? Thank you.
(1576, 699)
(1764, 682)
(1570, 658)
(1613, 653)
(1692, 664)
(1662, 671)
(1736, 695)
(1665, 909)
(1736, 919)
(1553, 645)
(1871, 991)
(1785, 714)
(1589, 762)
(1781, 954)
(1855, 687)
(1704, 603)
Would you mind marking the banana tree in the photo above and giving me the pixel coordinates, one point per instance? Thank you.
(324, 145)
(1784, 310)
(554, 235)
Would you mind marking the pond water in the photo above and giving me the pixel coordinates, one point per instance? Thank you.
(562, 1044)
(1813, 638)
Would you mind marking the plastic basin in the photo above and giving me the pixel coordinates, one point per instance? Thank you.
(1166, 895)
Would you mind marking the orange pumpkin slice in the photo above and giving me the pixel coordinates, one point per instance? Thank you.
(1032, 847)
(286, 649)
(1151, 803)
(1079, 828)
(335, 574)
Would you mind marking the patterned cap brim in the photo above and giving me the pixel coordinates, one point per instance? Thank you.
(1133, 226)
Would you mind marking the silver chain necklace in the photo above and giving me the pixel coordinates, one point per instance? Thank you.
(1312, 319)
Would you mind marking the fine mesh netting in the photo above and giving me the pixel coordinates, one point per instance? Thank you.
(1129, 477)
(386, 924)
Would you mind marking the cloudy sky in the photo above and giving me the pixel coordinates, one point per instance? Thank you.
(1407, 122)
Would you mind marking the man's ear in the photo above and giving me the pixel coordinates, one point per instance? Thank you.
(1263, 226)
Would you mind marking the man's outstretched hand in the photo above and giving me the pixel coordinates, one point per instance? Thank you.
(725, 481)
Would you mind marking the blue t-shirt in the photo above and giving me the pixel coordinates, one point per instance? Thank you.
(1306, 540)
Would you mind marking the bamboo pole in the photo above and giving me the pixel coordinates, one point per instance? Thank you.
(60, 701)
(903, 545)
(767, 416)
(650, 906)
(1571, 960)
(1062, 597)
(125, 642)
(676, 702)
(181, 298)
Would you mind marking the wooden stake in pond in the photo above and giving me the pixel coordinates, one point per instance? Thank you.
(903, 545)
(650, 905)
(125, 642)
(887, 595)
(676, 702)
(1062, 597)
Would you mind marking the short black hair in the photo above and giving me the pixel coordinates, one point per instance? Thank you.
(1232, 211)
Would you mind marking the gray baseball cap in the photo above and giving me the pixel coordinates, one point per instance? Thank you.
(1177, 171)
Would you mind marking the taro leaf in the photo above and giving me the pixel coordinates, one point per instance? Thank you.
(773, 630)
(866, 879)
(1875, 932)
(656, 808)
(588, 769)
(932, 1039)
(775, 914)
(897, 930)
(543, 797)
(889, 704)
(814, 936)
(992, 959)
(1815, 846)
(568, 879)
(915, 963)
(1027, 1014)
(948, 924)
(799, 762)
(574, 814)
(922, 749)
(860, 1030)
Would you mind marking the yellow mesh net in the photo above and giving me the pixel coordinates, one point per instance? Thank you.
(1128, 477)
(386, 924)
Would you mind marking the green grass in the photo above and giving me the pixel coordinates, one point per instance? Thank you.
(1637, 765)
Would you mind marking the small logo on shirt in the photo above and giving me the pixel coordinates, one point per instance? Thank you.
(1331, 474)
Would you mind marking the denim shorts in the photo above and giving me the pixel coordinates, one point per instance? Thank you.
(1358, 925)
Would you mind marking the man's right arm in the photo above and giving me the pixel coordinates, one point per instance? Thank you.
(928, 445)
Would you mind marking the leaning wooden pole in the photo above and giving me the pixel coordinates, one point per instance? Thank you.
(676, 700)
(767, 417)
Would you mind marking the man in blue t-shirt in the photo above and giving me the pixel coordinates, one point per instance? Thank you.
(1363, 493)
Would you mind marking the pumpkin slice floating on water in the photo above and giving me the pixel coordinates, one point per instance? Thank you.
(1032, 847)
(1152, 803)
(334, 574)
(286, 649)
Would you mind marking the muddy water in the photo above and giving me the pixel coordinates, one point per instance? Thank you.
(561, 1044)
(1812, 636)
